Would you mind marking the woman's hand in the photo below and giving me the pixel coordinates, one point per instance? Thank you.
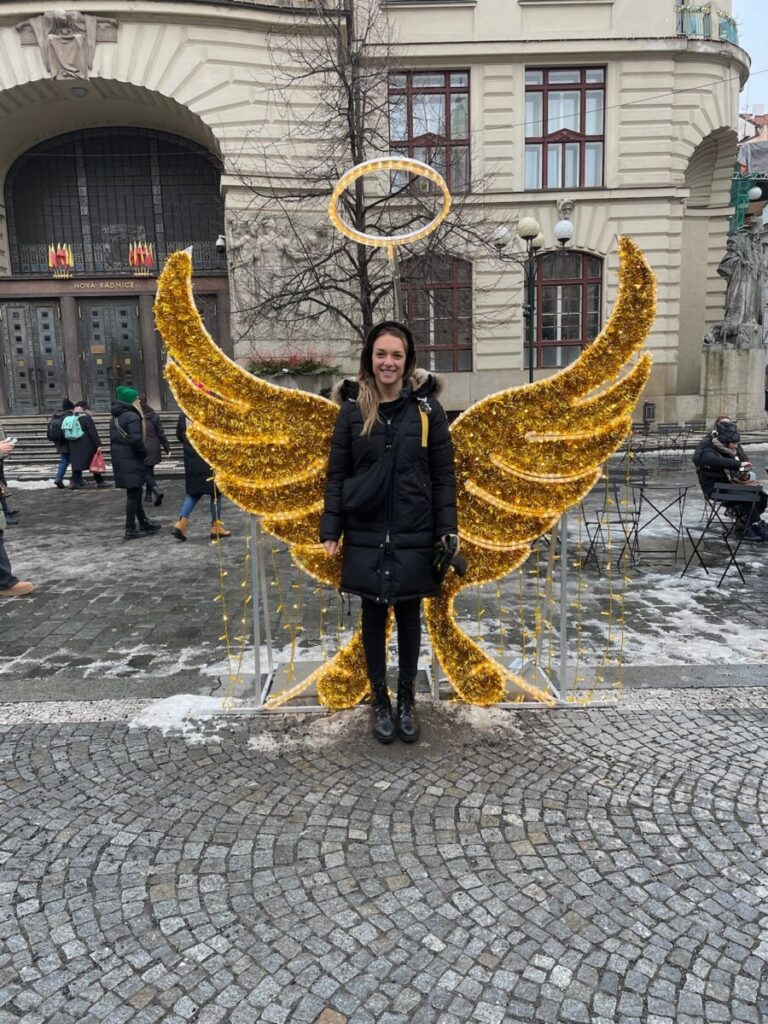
(331, 546)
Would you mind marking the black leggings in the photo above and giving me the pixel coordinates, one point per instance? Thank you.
(408, 617)
(133, 507)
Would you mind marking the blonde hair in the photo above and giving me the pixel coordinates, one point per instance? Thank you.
(368, 403)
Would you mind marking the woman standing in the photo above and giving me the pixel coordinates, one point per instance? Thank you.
(198, 481)
(126, 435)
(154, 441)
(391, 494)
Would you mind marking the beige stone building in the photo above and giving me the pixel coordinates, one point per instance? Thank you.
(124, 127)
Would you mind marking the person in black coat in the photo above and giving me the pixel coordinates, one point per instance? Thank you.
(126, 435)
(391, 433)
(57, 438)
(719, 458)
(198, 480)
(154, 441)
(82, 449)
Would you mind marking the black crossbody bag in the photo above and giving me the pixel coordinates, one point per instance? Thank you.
(365, 491)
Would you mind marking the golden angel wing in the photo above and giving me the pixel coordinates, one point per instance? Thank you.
(267, 445)
(525, 455)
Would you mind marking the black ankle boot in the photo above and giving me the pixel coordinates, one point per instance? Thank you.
(381, 708)
(408, 728)
(149, 526)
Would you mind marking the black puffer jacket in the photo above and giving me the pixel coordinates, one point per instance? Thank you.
(155, 440)
(712, 465)
(126, 438)
(388, 553)
(197, 472)
(82, 449)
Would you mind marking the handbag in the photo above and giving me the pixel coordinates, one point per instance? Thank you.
(362, 493)
(97, 463)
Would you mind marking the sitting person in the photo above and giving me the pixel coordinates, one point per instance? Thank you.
(719, 458)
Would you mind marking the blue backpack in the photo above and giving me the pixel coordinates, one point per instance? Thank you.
(70, 427)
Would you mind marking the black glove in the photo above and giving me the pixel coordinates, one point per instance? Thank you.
(447, 555)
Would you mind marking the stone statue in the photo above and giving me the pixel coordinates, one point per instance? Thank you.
(743, 267)
(67, 40)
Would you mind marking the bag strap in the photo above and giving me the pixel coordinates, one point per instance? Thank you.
(119, 429)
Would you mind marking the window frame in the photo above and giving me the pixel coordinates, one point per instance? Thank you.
(446, 142)
(584, 280)
(564, 136)
(427, 283)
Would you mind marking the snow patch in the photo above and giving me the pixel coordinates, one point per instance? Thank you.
(15, 484)
(319, 734)
(183, 713)
(482, 720)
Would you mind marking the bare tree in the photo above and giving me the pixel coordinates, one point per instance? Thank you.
(330, 92)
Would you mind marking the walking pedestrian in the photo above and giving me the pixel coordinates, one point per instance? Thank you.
(198, 481)
(155, 441)
(10, 585)
(391, 497)
(126, 434)
(82, 449)
(56, 436)
(10, 514)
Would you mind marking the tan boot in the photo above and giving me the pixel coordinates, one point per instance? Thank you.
(18, 589)
(217, 530)
(180, 528)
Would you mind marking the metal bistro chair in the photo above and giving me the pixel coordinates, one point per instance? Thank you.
(635, 445)
(614, 515)
(661, 505)
(671, 448)
(718, 505)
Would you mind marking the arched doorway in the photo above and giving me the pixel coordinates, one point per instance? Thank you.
(98, 192)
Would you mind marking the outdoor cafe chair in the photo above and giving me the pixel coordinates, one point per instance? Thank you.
(614, 515)
(664, 506)
(722, 521)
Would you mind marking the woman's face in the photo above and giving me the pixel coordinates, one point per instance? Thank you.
(388, 358)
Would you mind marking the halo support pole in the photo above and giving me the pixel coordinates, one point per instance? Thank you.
(397, 291)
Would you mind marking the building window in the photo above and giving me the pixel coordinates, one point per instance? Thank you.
(100, 189)
(564, 127)
(429, 121)
(437, 292)
(568, 305)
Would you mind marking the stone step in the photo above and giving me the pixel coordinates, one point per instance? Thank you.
(35, 450)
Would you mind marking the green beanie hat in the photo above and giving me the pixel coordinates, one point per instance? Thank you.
(127, 395)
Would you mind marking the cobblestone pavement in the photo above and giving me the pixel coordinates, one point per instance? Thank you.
(586, 865)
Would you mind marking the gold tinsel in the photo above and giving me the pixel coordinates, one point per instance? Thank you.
(523, 456)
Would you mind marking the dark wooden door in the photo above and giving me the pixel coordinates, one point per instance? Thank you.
(110, 348)
(33, 358)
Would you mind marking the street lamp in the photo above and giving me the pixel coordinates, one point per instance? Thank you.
(529, 229)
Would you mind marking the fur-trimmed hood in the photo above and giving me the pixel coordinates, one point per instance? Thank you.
(422, 384)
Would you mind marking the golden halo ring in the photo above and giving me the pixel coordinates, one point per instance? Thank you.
(388, 163)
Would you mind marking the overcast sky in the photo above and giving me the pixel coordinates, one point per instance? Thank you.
(752, 16)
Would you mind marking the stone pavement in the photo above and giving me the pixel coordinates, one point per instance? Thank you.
(600, 864)
(603, 865)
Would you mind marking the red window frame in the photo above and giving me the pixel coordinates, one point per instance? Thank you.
(563, 136)
(437, 295)
(591, 274)
(455, 149)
